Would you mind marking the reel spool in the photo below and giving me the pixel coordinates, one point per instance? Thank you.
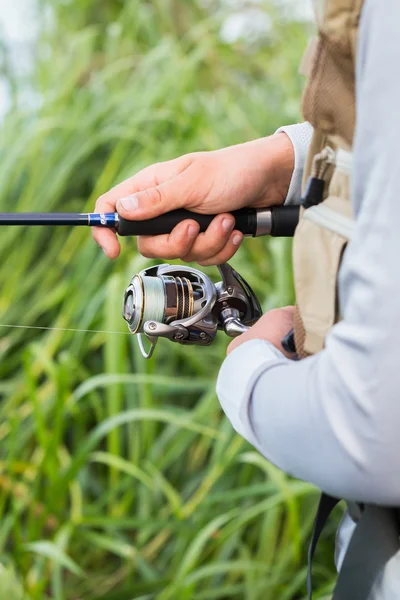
(183, 305)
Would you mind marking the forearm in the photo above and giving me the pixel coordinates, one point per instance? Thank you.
(330, 420)
(278, 163)
(333, 419)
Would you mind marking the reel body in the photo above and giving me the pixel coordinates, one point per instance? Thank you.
(183, 305)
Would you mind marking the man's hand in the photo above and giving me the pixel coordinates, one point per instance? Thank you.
(254, 174)
(273, 327)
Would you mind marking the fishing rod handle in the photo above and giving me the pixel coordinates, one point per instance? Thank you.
(277, 221)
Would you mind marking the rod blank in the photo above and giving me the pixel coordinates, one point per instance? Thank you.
(49, 219)
(278, 221)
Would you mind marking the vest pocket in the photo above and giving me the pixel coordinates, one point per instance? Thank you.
(317, 253)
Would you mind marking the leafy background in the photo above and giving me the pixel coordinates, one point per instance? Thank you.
(121, 479)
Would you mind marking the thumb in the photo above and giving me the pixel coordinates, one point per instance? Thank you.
(154, 201)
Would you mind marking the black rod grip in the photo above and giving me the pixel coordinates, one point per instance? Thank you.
(284, 220)
(246, 222)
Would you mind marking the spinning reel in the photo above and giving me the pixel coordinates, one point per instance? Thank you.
(183, 305)
(180, 303)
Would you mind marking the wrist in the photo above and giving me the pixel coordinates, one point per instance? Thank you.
(280, 162)
(259, 171)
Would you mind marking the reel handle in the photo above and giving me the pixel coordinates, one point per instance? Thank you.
(277, 221)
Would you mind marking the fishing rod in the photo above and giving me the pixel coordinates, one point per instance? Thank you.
(277, 221)
(180, 303)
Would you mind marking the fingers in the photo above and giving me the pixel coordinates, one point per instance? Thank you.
(149, 180)
(272, 327)
(218, 244)
(134, 206)
(172, 245)
(230, 248)
(105, 238)
(154, 201)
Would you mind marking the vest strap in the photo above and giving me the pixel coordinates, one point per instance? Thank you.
(374, 543)
(372, 548)
(325, 508)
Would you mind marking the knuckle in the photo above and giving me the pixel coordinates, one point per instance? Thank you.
(186, 247)
(216, 243)
(207, 249)
(154, 196)
(147, 254)
(145, 250)
(181, 253)
(171, 253)
(185, 161)
(204, 256)
(99, 202)
(210, 254)
(178, 245)
(105, 202)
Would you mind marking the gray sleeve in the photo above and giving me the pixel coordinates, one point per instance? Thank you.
(333, 419)
(300, 135)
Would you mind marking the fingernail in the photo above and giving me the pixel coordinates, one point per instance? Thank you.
(129, 203)
(237, 239)
(193, 231)
(227, 224)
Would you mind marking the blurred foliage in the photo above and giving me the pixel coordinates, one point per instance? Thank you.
(120, 479)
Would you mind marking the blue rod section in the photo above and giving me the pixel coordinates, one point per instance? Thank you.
(75, 219)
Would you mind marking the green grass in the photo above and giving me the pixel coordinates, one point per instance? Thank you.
(121, 479)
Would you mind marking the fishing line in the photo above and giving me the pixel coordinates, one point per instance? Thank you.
(65, 329)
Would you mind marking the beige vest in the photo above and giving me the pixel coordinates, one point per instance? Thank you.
(324, 230)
